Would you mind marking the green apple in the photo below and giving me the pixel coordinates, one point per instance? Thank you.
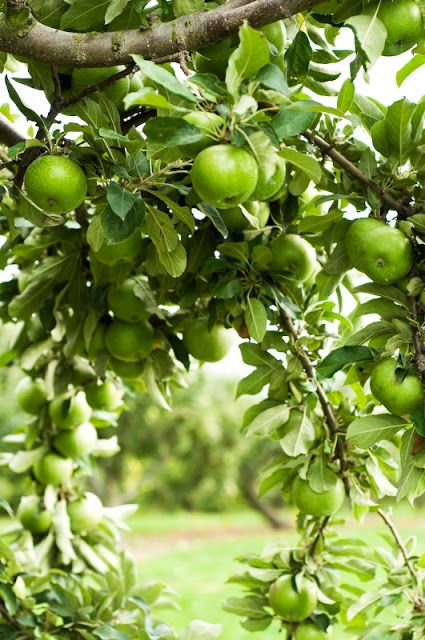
(125, 304)
(319, 505)
(53, 469)
(32, 516)
(78, 442)
(403, 22)
(235, 220)
(31, 395)
(399, 396)
(69, 410)
(85, 513)
(106, 395)
(382, 252)
(292, 253)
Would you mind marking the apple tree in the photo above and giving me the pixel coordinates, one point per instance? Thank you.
(206, 171)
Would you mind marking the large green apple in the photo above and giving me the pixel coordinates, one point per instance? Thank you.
(266, 189)
(79, 442)
(32, 516)
(292, 253)
(290, 603)
(399, 397)
(53, 469)
(206, 345)
(31, 395)
(319, 505)
(129, 342)
(235, 220)
(106, 395)
(69, 410)
(125, 251)
(381, 252)
(403, 22)
(224, 175)
(210, 124)
(310, 631)
(85, 513)
(124, 303)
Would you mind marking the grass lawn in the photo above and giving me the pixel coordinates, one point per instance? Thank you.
(197, 568)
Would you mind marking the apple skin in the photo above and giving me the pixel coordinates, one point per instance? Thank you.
(206, 345)
(80, 441)
(403, 22)
(382, 252)
(124, 303)
(400, 398)
(292, 253)
(67, 411)
(31, 395)
(318, 504)
(310, 631)
(33, 518)
(210, 124)
(235, 220)
(106, 396)
(267, 189)
(53, 469)
(292, 605)
(85, 513)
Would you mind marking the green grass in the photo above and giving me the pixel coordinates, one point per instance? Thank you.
(198, 569)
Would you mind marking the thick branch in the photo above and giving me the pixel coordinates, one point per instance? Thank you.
(188, 33)
(327, 409)
(8, 135)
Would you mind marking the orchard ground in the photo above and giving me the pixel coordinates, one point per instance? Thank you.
(194, 554)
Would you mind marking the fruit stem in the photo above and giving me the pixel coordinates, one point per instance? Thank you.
(318, 535)
(328, 412)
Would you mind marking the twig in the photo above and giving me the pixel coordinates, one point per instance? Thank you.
(327, 409)
(319, 534)
(391, 202)
(391, 526)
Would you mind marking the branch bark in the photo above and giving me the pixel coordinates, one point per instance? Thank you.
(8, 135)
(189, 33)
(327, 409)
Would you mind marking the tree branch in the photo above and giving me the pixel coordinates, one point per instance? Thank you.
(399, 542)
(327, 409)
(189, 33)
(8, 135)
(391, 202)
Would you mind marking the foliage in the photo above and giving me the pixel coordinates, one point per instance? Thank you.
(143, 229)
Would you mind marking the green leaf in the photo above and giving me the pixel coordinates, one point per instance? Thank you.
(365, 431)
(346, 96)
(269, 421)
(273, 78)
(252, 54)
(255, 356)
(291, 121)
(398, 124)
(249, 606)
(163, 78)
(115, 9)
(107, 632)
(255, 382)
(171, 132)
(414, 63)
(114, 229)
(298, 435)
(298, 57)
(320, 477)
(30, 115)
(370, 34)
(84, 15)
(119, 199)
(341, 357)
(214, 215)
(237, 250)
(307, 164)
(256, 319)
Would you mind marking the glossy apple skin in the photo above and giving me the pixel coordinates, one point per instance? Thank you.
(382, 252)
(85, 513)
(400, 398)
(403, 22)
(292, 253)
(316, 504)
(288, 603)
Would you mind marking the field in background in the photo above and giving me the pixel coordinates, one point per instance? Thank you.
(194, 555)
